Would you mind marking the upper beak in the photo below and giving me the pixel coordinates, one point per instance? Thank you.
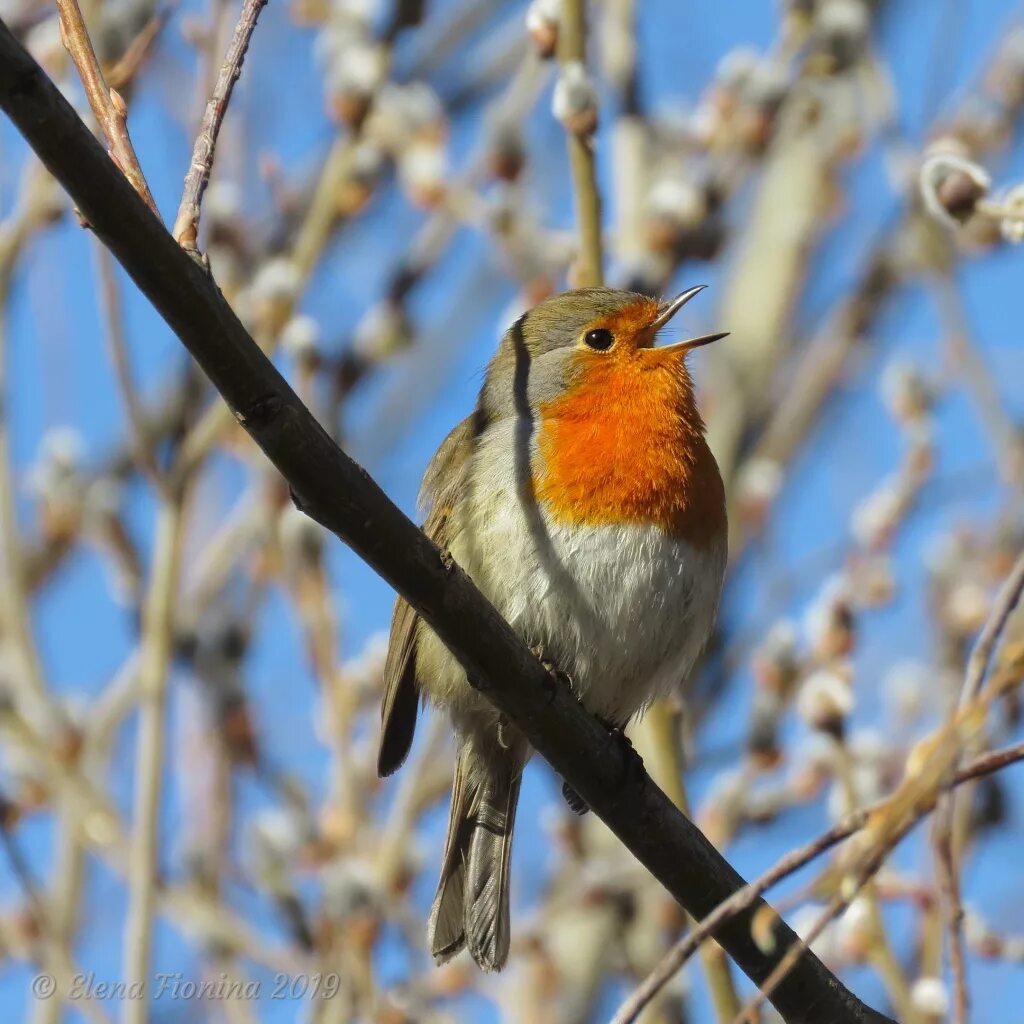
(669, 310)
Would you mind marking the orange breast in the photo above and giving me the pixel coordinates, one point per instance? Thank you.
(626, 445)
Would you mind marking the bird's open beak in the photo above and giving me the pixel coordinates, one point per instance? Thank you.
(669, 310)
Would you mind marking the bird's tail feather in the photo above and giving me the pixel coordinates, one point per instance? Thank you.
(471, 906)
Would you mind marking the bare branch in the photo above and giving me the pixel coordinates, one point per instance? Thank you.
(579, 115)
(107, 105)
(149, 760)
(127, 67)
(186, 223)
(111, 302)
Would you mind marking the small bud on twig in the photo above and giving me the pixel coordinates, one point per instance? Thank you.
(952, 186)
(542, 18)
(575, 100)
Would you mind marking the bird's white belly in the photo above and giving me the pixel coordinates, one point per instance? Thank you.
(624, 610)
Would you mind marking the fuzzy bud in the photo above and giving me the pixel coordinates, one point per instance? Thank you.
(1011, 224)
(967, 607)
(826, 700)
(951, 187)
(930, 997)
(422, 170)
(777, 660)
(364, 672)
(542, 20)
(575, 100)
(906, 687)
(300, 340)
(507, 154)
(223, 201)
(56, 481)
(355, 190)
(301, 539)
(383, 331)
(758, 484)
(855, 934)
(829, 622)
(735, 68)
(908, 395)
(841, 31)
(277, 282)
(875, 518)
(356, 67)
(676, 204)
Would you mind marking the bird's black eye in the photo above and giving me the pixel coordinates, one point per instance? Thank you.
(600, 339)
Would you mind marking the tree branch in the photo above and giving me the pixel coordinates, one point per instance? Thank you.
(335, 491)
(186, 223)
(157, 644)
(107, 105)
(580, 125)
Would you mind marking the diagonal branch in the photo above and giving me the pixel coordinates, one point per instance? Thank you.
(336, 492)
(186, 223)
(107, 105)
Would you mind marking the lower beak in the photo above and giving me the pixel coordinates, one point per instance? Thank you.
(669, 310)
(692, 343)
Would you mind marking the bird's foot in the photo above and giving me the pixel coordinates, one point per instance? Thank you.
(554, 672)
(631, 758)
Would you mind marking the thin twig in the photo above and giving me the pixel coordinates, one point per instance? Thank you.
(128, 64)
(981, 657)
(107, 106)
(110, 301)
(948, 878)
(149, 762)
(572, 45)
(186, 223)
(27, 682)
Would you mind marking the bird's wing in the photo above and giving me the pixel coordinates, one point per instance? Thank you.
(442, 484)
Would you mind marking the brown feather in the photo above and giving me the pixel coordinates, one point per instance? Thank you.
(401, 691)
(446, 930)
(401, 696)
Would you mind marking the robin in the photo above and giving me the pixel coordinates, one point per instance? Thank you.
(582, 499)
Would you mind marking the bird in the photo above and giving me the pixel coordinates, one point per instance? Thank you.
(583, 500)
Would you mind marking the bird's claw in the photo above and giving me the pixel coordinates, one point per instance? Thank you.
(576, 803)
(555, 674)
(631, 759)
